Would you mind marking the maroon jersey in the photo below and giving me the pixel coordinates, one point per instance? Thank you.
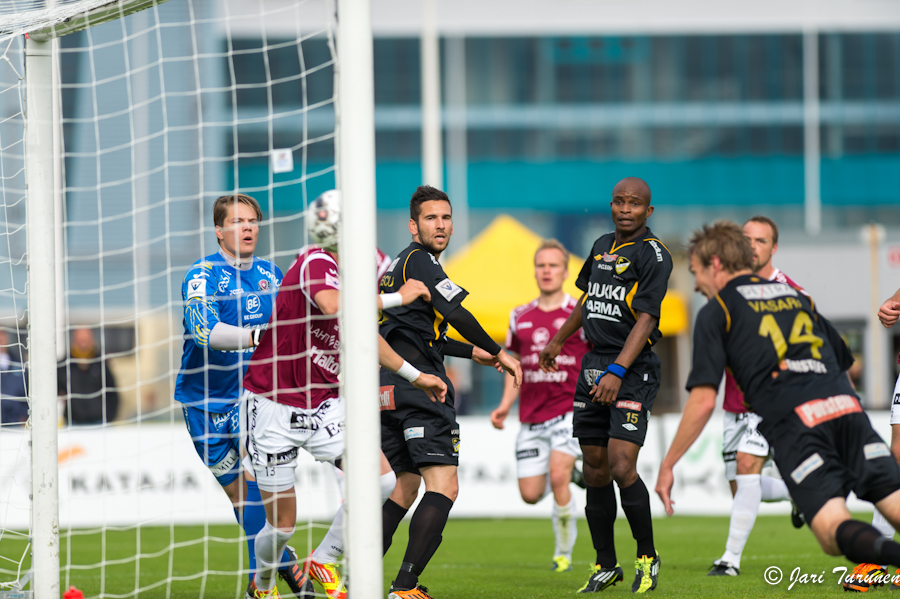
(545, 395)
(308, 347)
(734, 398)
(382, 262)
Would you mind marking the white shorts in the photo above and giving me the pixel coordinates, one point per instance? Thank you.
(276, 432)
(740, 435)
(536, 441)
(895, 403)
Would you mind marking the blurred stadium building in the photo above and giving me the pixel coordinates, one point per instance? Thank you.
(546, 104)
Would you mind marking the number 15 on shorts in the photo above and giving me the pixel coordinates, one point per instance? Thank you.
(631, 417)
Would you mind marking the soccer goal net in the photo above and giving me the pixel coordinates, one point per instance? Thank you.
(130, 118)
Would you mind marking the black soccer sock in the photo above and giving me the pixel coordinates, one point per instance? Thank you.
(861, 543)
(600, 513)
(636, 505)
(391, 515)
(424, 537)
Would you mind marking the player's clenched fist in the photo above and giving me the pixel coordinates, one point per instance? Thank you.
(412, 290)
(889, 312)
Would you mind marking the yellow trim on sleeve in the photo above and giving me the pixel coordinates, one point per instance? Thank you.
(438, 319)
(407, 260)
(630, 297)
(727, 315)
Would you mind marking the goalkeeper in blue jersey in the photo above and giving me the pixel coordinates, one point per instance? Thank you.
(228, 298)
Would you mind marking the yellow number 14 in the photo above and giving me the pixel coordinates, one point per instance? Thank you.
(801, 332)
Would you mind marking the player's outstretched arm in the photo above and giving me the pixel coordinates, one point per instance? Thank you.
(889, 311)
(409, 292)
(509, 397)
(547, 357)
(699, 408)
(464, 322)
(429, 383)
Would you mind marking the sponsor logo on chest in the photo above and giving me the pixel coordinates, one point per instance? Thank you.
(606, 291)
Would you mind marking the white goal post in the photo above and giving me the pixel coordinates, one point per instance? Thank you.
(355, 145)
(41, 237)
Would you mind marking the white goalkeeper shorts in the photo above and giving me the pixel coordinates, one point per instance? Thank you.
(276, 432)
(740, 435)
(895, 403)
(536, 441)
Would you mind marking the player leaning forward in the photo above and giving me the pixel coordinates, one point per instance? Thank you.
(292, 400)
(228, 298)
(624, 280)
(421, 437)
(545, 448)
(790, 363)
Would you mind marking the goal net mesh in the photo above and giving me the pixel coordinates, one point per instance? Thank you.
(162, 107)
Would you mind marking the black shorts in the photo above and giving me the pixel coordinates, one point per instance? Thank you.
(416, 431)
(831, 459)
(626, 419)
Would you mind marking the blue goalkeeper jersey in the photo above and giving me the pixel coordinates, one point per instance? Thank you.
(213, 291)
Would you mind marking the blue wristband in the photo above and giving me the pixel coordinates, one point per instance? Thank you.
(617, 370)
(599, 376)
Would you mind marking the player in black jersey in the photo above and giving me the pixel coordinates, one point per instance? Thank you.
(624, 280)
(790, 363)
(419, 436)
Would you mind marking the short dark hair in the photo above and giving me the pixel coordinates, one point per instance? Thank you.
(425, 193)
(765, 220)
(724, 239)
(223, 203)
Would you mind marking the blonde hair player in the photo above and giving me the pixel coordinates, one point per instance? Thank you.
(545, 448)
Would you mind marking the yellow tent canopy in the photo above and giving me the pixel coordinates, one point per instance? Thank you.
(497, 269)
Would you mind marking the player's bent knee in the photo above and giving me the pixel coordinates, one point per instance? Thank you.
(530, 498)
(624, 473)
(749, 464)
(388, 483)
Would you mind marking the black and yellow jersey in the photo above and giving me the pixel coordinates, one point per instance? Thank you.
(620, 280)
(420, 323)
(781, 351)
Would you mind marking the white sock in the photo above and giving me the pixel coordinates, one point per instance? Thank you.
(773, 489)
(270, 543)
(331, 549)
(743, 516)
(883, 526)
(565, 528)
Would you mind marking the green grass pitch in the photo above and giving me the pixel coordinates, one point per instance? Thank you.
(479, 558)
